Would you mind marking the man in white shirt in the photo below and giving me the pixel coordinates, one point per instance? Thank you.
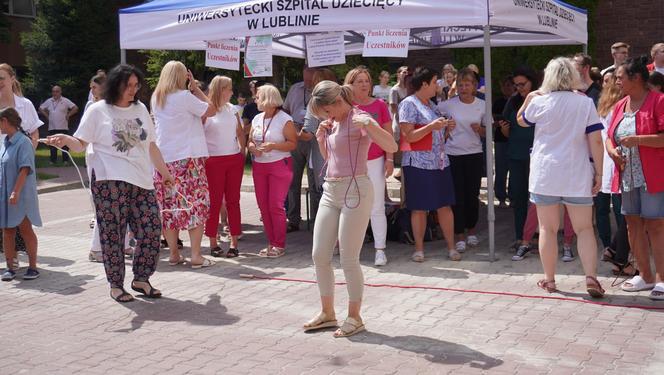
(657, 53)
(296, 106)
(58, 110)
(620, 53)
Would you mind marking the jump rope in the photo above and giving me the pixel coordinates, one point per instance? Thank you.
(373, 285)
(353, 165)
(189, 205)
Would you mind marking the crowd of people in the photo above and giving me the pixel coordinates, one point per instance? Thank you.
(574, 136)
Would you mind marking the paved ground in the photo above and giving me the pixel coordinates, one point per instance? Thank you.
(213, 321)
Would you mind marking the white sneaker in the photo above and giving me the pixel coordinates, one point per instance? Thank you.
(381, 259)
(461, 246)
(472, 240)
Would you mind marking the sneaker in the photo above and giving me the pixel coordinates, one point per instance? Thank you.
(381, 259)
(9, 275)
(521, 252)
(30, 274)
(461, 246)
(568, 254)
(472, 240)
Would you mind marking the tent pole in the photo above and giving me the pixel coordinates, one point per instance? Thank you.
(585, 49)
(123, 56)
(488, 123)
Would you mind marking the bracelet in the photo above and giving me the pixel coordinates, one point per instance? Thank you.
(392, 160)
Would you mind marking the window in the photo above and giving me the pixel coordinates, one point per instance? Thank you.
(21, 8)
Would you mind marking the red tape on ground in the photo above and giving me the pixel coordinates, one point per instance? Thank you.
(425, 287)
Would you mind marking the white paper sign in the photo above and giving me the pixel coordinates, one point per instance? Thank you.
(325, 49)
(386, 43)
(258, 56)
(224, 54)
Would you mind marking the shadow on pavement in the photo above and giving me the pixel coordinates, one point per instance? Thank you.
(54, 282)
(165, 309)
(437, 351)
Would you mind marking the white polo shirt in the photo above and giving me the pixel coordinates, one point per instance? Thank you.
(179, 126)
(560, 160)
(57, 112)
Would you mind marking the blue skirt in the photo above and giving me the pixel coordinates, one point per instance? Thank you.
(428, 190)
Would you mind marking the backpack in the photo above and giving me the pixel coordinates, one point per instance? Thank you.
(399, 227)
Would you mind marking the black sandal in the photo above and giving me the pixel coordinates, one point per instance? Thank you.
(609, 255)
(122, 296)
(151, 293)
(217, 252)
(232, 253)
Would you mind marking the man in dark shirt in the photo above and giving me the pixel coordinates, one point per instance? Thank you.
(583, 64)
(500, 141)
(250, 111)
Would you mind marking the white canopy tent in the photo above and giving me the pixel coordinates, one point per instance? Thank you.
(188, 24)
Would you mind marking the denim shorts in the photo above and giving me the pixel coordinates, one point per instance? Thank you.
(642, 203)
(550, 200)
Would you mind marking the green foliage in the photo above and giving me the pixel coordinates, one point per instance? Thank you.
(69, 41)
(505, 59)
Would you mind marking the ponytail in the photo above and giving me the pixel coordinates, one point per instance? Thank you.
(326, 93)
(16, 85)
(14, 119)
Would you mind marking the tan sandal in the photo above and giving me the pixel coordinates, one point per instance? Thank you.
(548, 285)
(206, 263)
(275, 252)
(593, 287)
(418, 256)
(320, 321)
(349, 328)
(180, 261)
(454, 255)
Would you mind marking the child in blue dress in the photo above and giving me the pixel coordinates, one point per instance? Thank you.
(19, 207)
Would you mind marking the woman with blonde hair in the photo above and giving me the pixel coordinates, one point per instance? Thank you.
(225, 166)
(308, 133)
(566, 134)
(380, 164)
(180, 108)
(273, 136)
(344, 137)
(382, 90)
(11, 96)
(616, 249)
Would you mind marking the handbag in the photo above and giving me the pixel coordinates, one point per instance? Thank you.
(424, 144)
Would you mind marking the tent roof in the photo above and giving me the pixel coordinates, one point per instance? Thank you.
(186, 25)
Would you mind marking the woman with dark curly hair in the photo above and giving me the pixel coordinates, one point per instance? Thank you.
(122, 133)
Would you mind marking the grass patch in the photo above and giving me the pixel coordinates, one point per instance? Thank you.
(42, 155)
(46, 176)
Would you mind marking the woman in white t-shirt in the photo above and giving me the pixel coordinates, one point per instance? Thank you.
(11, 96)
(565, 166)
(225, 166)
(382, 90)
(95, 255)
(123, 136)
(180, 107)
(272, 138)
(464, 148)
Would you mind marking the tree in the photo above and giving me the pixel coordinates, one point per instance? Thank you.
(69, 41)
